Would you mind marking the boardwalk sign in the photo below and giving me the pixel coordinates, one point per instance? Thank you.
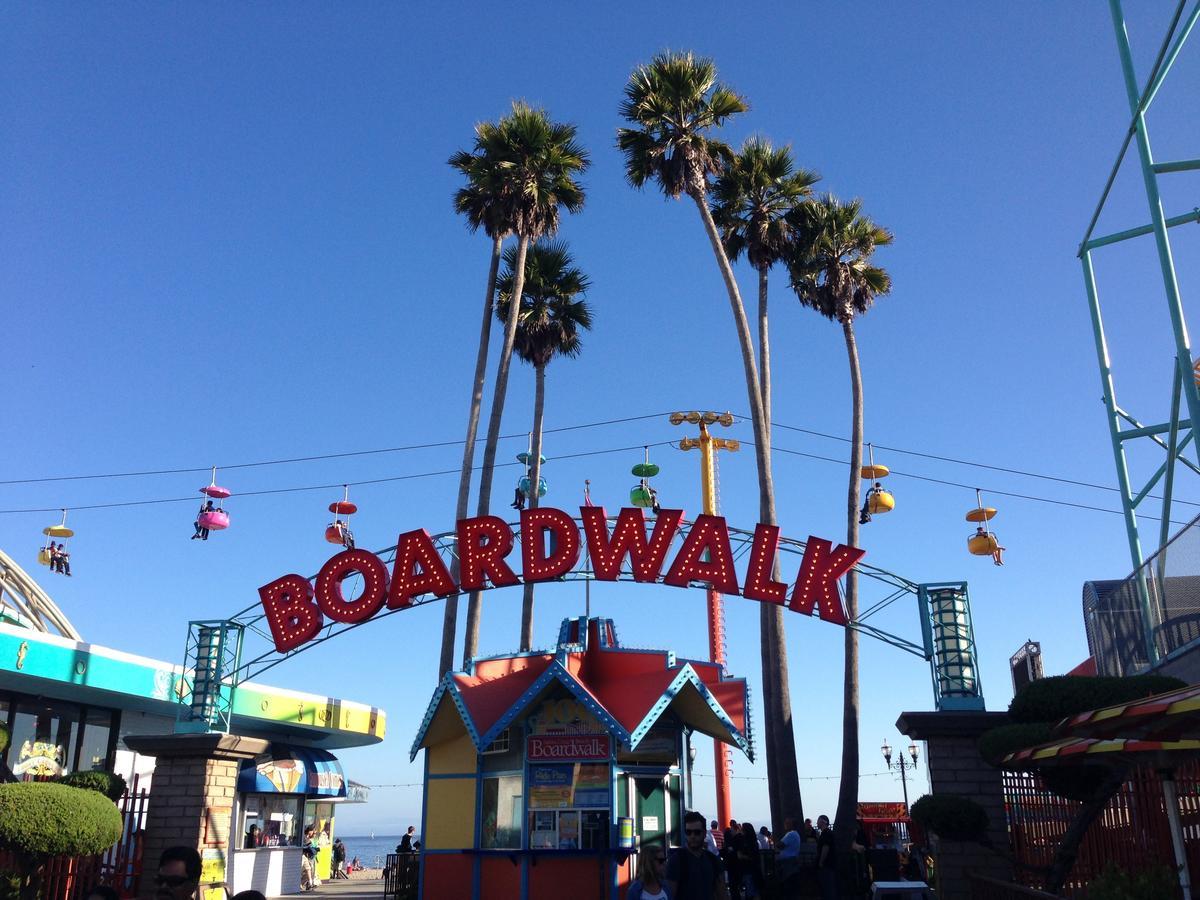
(551, 543)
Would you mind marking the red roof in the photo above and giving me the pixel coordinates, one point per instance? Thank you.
(627, 686)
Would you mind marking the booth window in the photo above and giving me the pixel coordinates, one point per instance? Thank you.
(501, 813)
(278, 817)
(42, 740)
(500, 744)
(568, 806)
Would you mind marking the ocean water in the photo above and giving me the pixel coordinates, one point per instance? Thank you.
(371, 851)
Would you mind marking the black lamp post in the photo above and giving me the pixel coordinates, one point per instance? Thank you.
(901, 764)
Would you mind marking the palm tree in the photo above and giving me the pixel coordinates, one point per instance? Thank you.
(549, 323)
(831, 273)
(672, 103)
(537, 161)
(482, 201)
(754, 199)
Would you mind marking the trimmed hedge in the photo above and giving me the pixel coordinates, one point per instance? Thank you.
(48, 819)
(1053, 699)
(3, 738)
(1149, 884)
(997, 743)
(110, 785)
(951, 817)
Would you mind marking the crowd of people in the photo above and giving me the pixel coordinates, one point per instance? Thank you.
(737, 862)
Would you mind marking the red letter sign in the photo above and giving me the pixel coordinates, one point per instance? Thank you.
(709, 533)
(418, 570)
(760, 585)
(483, 542)
(329, 586)
(629, 536)
(291, 613)
(564, 539)
(817, 582)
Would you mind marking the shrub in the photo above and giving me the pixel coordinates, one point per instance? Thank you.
(1053, 699)
(110, 785)
(40, 819)
(1114, 883)
(3, 738)
(997, 743)
(951, 817)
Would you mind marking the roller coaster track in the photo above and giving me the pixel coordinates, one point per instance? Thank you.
(23, 601)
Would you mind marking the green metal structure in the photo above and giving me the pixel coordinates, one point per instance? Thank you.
(1176, 434)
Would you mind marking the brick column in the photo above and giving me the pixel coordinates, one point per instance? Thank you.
(955, 767)
(191, 797)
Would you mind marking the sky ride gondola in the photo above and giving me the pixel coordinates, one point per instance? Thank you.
(212, 515)
(56, 556)
(338, 531)
(878, 500)
(984, 541)
(525, 458)
(642, 494)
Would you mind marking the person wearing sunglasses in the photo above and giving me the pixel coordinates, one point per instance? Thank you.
(178, 875)
(650, 883)
(692, 873)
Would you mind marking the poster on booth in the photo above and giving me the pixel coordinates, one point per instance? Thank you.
(567, 785)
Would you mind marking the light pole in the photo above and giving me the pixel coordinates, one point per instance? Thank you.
(901, 764)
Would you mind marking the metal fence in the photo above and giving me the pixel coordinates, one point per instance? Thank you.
(1155, 612)
(1132, 831)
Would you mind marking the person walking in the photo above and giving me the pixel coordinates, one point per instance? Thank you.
(308, 861)
(339, 859)
(178, 875)
(691, 873)
(715, 839)
(650, 883)
(749, 863)
(406, 842)
(826, 860)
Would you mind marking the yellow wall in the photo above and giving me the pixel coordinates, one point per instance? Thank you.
(453, 757)
(449, 813)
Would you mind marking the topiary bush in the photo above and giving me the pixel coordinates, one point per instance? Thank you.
(39, 820)
(1157, 883)
(951, 817)
(110, 785)
(3, 739)
(1053, 699)
(997, 743)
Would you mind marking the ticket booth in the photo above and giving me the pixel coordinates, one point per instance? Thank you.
(533, 761)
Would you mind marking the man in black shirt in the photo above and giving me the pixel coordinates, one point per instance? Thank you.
(826, 860)
(693, 874)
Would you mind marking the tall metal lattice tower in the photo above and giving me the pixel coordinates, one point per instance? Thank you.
(1182, 428)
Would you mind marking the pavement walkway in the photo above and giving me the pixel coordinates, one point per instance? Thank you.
(352, 889)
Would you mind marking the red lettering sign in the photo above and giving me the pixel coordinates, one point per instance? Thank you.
(291, 614)
(329, 586)
(628, 537)
(705, 556)
(418, 570)
(542, 747)
(483, 542)
(296, 614)
(536, 565)
(816, 585)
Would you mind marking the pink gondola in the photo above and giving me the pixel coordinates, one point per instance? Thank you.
(216, 492)
(338, 531)
(214, 520)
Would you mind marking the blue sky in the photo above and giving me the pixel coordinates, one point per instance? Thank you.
(227, 237)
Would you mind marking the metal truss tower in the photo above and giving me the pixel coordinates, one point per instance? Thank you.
(1176, 434)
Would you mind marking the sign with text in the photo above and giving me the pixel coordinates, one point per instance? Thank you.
(551, 543)
(545, 747)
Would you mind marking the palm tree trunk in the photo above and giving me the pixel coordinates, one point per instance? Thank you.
(535, 474)
(777, 716)
(764, 347)
(471, 641)
(450, 614)
(847, 806)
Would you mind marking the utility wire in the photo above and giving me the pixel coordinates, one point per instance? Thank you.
(323, 487)
(318, 457)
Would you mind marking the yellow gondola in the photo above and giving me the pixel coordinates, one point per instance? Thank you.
(984, 541)
(878, 499)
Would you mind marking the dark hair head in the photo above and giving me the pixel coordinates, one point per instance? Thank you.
(715, 824)
(189, 856)
(693, 816)
(103, 891)
(748, 829)
(249, 895)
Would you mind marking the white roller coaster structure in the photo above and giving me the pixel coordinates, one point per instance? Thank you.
(23, 601)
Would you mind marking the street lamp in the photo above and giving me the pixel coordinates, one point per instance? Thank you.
(901, 764)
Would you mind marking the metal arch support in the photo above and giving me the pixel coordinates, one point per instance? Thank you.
(1184, 424)
(31, 606)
